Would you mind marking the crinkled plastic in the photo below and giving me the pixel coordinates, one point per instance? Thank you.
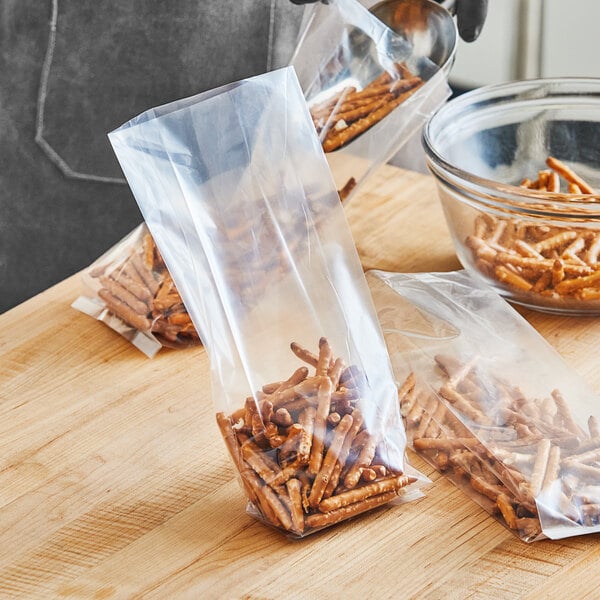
(488, 402)
(367, 91)
(131, 291)
(235, 189)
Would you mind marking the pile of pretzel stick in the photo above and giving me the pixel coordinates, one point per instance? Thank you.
(351, 112)
(304, 452)
(506, 450)
(140, 291)
(556, 263)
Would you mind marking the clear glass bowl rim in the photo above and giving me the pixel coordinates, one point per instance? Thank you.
(497, 194)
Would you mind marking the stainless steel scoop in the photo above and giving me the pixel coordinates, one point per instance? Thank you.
(428, 27)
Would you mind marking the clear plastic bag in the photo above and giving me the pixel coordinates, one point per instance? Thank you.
(489, 403)
(367, 91)
(133, 293)
(235, 190)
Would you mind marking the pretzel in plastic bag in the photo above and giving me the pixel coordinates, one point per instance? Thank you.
(256, 239)
(367, 90)
(132, 291)
(489, 403)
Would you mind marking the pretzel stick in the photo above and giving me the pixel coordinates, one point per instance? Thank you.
(337, 140)
(552, 468)
(294, 489)
(565, 413)
(506, 508)
(324, 475)
(124, 311)
(304, 354)
(540, 466)
(319, 520)
(569, 174)
(307, 421)
(269, 498)
(570, 285)
(365, 458)
(133, 284)
(357, 422)
(320, 427)
(145, 274)
(264, 467)
(335, 372)
(324, 359)
(123, 294)
(361, 493)
(512, 279)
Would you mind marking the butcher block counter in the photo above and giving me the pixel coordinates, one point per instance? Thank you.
(115, 482)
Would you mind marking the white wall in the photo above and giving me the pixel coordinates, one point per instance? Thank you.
(570, 38)
(531, 38)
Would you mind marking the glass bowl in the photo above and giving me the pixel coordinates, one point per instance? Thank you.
(538, 246)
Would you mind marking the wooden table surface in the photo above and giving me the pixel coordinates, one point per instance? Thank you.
(115, 483)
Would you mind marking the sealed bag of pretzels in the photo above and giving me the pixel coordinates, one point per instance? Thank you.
(489, 403)
(235, 189)
(368, 90)
(131, 291)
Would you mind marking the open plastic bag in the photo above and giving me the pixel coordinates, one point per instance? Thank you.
(131, 291)
(236, 192)
(367, 92)
(488, 402)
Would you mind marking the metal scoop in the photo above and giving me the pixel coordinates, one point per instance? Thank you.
(426, 25)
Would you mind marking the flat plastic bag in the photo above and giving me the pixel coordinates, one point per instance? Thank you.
(367, 91)
(489, 403)
(236, 192)
(131, 291)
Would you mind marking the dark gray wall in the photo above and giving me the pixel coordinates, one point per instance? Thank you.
(112, 59)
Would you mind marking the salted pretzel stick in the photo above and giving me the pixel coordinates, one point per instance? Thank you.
(508, 512)
(569, 174)
(365, 458)
(298, 376)
(361, 493)
(123, 294)
(233, 448)
(324, 475)
(269, 498)
(512, 279)
(571, 285)
(144, 273)
(335, 372)
(320, 427)
(124, 311)
(353, 113)
(463, 405)
(318, 520)
(307, 421)
(337, 140)
(444, 443)
(553, 467)
(565, 413)
(324, 359)
(294, 489)
(264, 466)
(539, 467)
(133, 284)
(357, 422)
(304, 354)
(593, 250)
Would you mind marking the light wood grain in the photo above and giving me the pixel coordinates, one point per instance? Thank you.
(115, 483)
